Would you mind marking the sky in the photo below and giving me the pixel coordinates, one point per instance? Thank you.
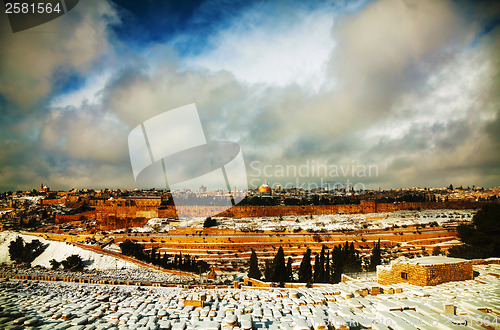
(382, 94)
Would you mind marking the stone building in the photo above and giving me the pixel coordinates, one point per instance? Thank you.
(264, 190)
(425, 271)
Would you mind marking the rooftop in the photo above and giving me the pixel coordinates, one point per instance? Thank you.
(435, 260)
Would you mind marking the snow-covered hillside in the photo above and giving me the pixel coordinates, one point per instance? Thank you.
(329, 222)
(60, 251)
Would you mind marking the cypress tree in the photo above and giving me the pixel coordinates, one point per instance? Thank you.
(353, 261)
(345, 252)
(289, 271)
(321, 269)
(268, 272)
(152, 257)
(337, 263)
(165, 260)
(254, 271)
(305, 271)
(376, 257)
(187, 262)
(327, 268)
(279, 267)
(317, 267)
(194, 265)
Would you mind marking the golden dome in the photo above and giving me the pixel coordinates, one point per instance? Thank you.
(264, 189)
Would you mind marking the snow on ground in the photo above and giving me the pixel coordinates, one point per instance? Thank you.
(5, 238)
(329, 222)
(452, 242)
(435, 260)
(63, 305)
(60, 251)
(33, 199)
(112, 247)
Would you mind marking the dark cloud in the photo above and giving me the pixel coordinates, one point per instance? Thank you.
(410, 87)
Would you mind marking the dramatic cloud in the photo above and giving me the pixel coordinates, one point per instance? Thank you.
(292, 48)
(33, 60)
(86, 134)
(409, 87)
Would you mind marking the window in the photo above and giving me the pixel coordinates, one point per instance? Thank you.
(404, 275)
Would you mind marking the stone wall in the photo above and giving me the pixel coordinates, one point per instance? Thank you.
(486, 261)
(251, 282)
(275, 211)
(44, 201)
(63, 218)
(116, 217)
(121, 216)
(423, 275)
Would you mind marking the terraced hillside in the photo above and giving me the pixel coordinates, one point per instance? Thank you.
(230, 249)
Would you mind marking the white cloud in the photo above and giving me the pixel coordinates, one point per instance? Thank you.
(395, 84)
(281, 51)
(85, 133)
(31, 59)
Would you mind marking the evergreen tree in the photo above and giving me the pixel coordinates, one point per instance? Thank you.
(353, 262)
(33, 250)
(338, 263)
(289, 270)
(327, 268)
(16, 249)
(279, 267)
(268, 272)
(254, 271)
(203, 266)
(54, 264)
(481, 238)
(305, 271)
(376, 258)
(165, 260)
(21, 252)
(322, 277)
(130, 248)
(73, 263)
(153, 256)
(209, 222)
(194, 265)
(317, 267)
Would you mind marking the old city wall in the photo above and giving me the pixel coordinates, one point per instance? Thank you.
(258, 211)
(423, 275)
(127, 211)
(275, 211)
(61, 200)
(122, 215)
(459, 205)
(116, 217)
(63, 218)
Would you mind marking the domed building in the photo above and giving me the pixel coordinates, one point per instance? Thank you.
(264, 189)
